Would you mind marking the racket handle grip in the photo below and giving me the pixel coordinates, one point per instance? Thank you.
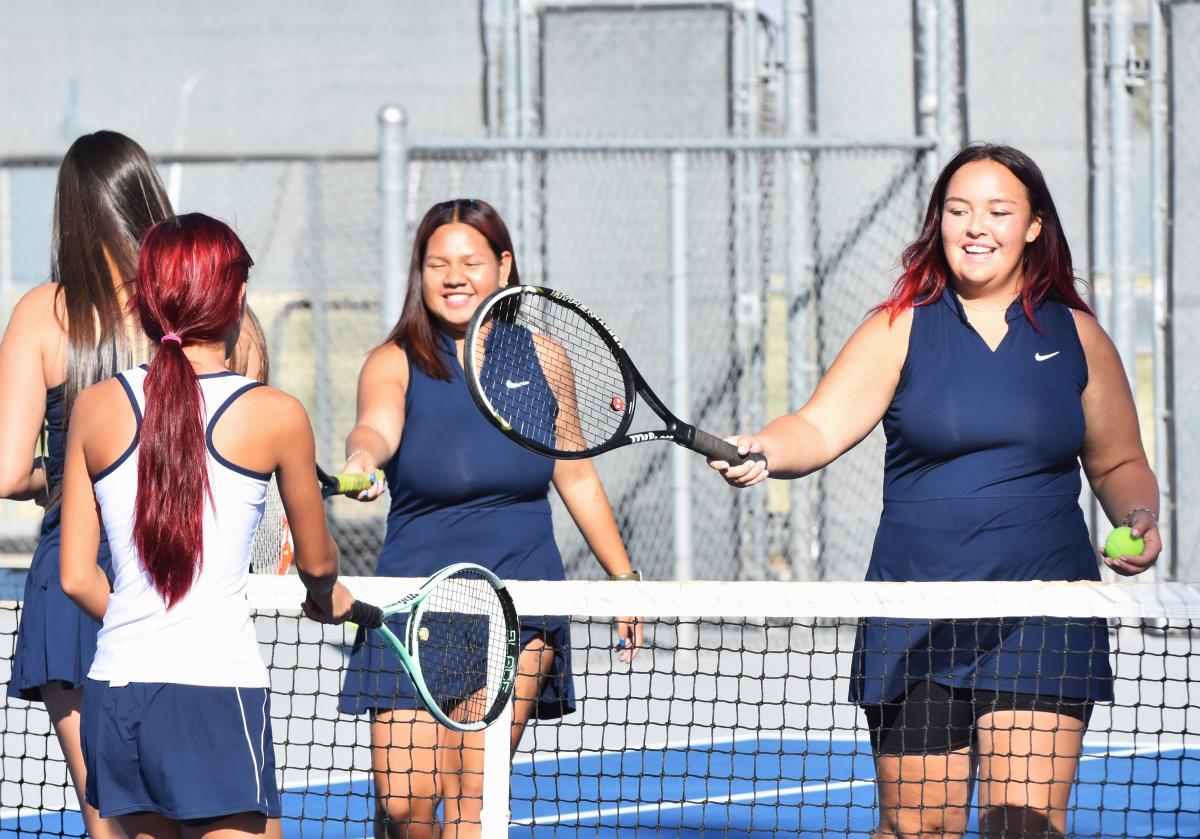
(366, 615)
(718, 449)
(356, 482)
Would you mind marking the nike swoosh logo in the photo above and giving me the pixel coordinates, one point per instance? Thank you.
(511, 385)
(1037, 356)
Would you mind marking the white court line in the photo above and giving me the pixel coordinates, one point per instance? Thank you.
(351, 777)
(823, 786)
(683, 743)
(1135, 751)
(783, 792)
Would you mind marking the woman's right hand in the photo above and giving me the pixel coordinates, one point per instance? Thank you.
(359, 463)
(331, 607)
(748, 472)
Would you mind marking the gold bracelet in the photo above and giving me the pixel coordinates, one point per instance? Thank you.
(357, 452)
(633, 576)
(1146, 510)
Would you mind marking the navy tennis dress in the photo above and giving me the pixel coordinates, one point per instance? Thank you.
(56, 641)
(982, 482)
(462, 492)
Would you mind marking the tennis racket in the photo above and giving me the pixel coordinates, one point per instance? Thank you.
(272, 551)
(461, 638)
(550, 374)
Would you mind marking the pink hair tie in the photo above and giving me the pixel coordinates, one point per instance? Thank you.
(171, 336)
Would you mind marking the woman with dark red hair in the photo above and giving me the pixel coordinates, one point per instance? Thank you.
(460, 491)
(172, 461)
(994, 384)
(64, 335)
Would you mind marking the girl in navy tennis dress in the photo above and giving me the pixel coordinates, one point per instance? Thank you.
(172, 460)
(460, 492)
(994, 384)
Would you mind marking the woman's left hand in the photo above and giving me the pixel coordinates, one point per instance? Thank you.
(1142, 525)
(629, 637)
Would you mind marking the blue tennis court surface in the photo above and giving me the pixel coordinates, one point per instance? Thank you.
(759, 787)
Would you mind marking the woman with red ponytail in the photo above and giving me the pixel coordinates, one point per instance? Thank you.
(172, 461)
(64, 335)
(995, 385)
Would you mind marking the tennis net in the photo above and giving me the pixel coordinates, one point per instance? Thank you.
(733, 720)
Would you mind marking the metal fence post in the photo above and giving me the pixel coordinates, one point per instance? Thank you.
(318, 293)
(951, 119)
(510, 121)
(1124, 300)
(748, 262)
(393, 222)
(1160, 234)
(804, 546)
(926, 21)
(681, 459)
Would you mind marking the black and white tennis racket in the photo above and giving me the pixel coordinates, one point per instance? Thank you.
(272, 550)
(461, 639)
(551, 375)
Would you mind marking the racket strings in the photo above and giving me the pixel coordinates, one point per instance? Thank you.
(463, 647)
(550, 374)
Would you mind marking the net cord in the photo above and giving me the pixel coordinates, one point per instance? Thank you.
(810, 600)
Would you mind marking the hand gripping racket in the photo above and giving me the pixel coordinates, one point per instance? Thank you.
(272, 551)
(551, 375)
(461, 639)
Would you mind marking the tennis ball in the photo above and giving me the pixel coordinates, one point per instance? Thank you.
(1122, 543)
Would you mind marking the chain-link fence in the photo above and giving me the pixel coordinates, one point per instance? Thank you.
(787, 239)
(1182, 373)
(604, 232)
(604, 228)
(312, 228)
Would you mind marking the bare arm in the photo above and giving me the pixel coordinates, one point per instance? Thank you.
(32, 334)
(1113, 456)
(316, 554)
(80, 574)
(849, 401)
(579, 486)
(379, 424)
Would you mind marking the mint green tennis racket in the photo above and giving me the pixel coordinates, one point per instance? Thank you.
(461, 638)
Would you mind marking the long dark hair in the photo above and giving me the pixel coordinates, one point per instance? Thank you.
(190, 271)
(108, 195)
(415, 331)
(1046, 261)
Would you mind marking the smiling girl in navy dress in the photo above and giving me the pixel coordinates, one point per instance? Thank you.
(461, 491)
(994, 384)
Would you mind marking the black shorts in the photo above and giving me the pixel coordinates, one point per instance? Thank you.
(935, 719)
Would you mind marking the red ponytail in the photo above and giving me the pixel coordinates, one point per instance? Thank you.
(191, 269)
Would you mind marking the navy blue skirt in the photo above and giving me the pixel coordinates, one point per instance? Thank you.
(188, 752)
(376, 680)
(56, 640)
(983, 539)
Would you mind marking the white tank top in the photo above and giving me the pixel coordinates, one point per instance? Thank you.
(208, 637)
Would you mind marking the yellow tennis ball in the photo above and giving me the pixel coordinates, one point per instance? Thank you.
(423, 633)
(1121, 542)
